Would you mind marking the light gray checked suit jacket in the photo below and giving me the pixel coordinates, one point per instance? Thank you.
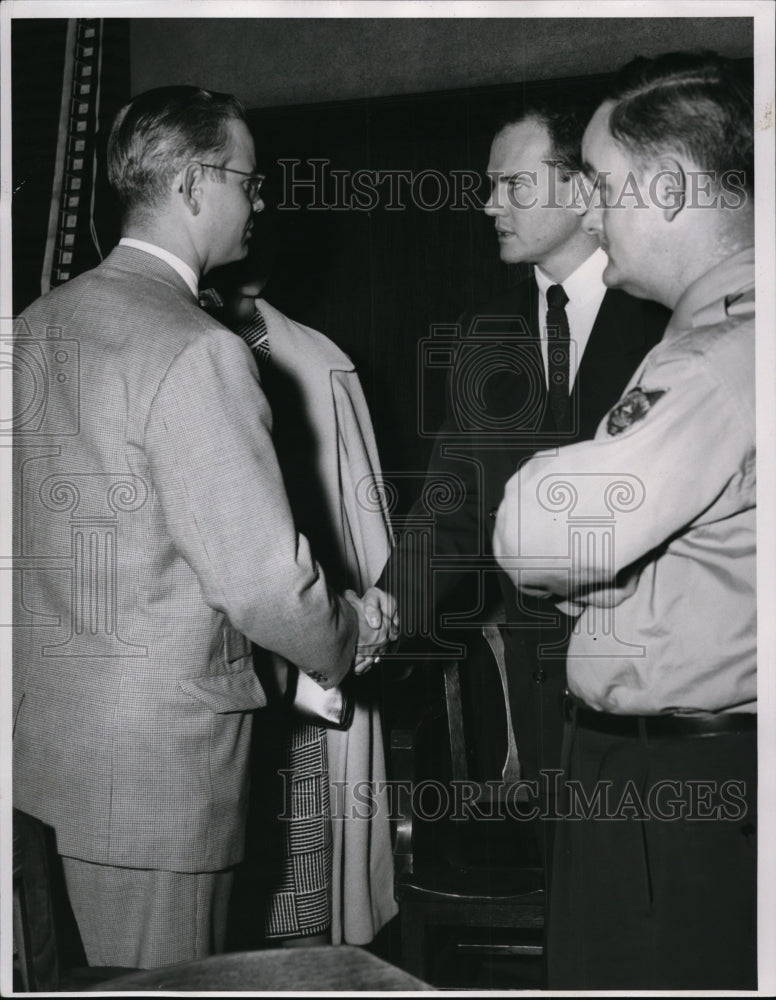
(152, 529)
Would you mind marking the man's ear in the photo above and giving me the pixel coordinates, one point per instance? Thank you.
(190, 186)
(668, 188)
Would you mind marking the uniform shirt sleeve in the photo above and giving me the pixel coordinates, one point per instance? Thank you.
(208, 441)
(652, 469)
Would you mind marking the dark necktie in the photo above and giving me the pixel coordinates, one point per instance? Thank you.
(558, 356)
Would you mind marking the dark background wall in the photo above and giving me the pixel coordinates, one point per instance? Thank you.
(271, 62)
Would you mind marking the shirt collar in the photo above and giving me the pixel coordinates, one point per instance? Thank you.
(584, 282)
(172, 259)
(732, 274)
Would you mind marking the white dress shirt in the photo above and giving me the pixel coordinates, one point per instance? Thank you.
(585, 290)
(174, 261)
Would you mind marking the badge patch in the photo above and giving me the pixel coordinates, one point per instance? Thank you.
(632, 407)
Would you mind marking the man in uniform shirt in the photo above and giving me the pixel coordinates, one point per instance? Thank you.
(508, 396)
(648, 532)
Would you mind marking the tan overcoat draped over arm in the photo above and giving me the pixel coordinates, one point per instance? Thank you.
(352, 528)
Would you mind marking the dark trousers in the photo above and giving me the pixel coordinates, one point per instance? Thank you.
(656, 888)
(536, 692)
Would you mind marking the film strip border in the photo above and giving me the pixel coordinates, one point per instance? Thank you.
(73, 177)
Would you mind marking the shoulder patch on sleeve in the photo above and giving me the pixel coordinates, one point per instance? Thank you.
(634, 406)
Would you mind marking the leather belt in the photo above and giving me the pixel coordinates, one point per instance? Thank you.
(660, 726)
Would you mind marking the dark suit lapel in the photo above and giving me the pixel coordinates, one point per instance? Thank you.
(624, 330)
(518, 388)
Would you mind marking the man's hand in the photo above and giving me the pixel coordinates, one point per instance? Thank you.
(378, 625)
(381, 609)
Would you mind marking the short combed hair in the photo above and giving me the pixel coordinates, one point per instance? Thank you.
(160, 131)
(698, 103)
(565, 117)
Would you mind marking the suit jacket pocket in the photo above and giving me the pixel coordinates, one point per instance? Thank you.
(237, 692)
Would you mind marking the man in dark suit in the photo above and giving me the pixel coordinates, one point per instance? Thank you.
(536, 367)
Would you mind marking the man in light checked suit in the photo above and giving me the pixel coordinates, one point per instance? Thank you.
(153, 536)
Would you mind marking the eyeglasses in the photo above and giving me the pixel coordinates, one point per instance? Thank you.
(253, 184)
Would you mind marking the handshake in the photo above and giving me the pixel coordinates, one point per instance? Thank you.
(378, 625)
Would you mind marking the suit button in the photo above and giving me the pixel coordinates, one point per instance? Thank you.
(538, 677)
(492, 513)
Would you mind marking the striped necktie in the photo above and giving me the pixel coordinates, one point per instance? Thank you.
(254, 332)
(256, 336)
